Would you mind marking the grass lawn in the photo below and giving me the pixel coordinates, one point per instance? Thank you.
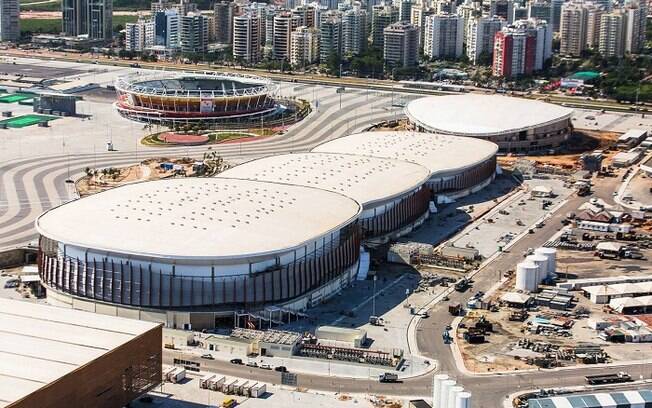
(53, 25)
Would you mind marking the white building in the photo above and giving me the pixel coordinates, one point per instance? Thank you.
(284, 24)
(444, 36)
(611, 41)
(480, 35)
(330, 35)
(636, 19)
(246, 38)
(304, 48)
(573, 28)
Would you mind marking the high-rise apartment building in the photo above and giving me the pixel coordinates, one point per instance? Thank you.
(135, 34)
(541, 10)
(404, 10)
(611, 41)
(354, 31)
(593, 18)
(635, 22)
(246, 38)
(193, 33)
(330, 35)
(480, 34)
(224, 11)
(381, 18)
(502, 8)
(400, 45)
(308, 15)
(284, 24)
(444, 36)
(304, 49)
(573, 29)
(9, 20)
(418, 19)
(74, 17)
(522, 48)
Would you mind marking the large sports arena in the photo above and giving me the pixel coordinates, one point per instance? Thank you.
(391, 192)
(168, 97)
(198, 244)
(457, 166)
(515, 124)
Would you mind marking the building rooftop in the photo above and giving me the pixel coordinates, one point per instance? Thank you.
(620, 289)
(440, 154)
(287, 338)
(613, 399)
(199, 218)
(365, 179)
(482, 115)
(40, 343)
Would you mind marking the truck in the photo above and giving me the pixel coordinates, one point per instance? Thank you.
(205, 381)
(462, 285)
(455, 309)
(620, 377)
(388, 378)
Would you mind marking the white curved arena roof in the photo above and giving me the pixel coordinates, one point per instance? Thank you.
(366, 179)
(199, 218)
(482, 115)
(438, 153)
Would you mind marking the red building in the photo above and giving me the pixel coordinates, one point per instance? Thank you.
(515, 50)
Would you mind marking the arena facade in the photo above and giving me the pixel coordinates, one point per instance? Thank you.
(201, 244)
(281, 232)
(392, 193)
(178, 97)
(457, 166)
(516, 125)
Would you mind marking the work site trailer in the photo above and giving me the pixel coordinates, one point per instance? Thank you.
(177, 375)
(257, 390)
(204, 382)
(217, 383)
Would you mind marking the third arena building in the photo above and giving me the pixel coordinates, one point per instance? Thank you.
(515, 124)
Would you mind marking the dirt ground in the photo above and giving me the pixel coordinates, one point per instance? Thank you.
(581, 142)
(582, 264)
(147, 170)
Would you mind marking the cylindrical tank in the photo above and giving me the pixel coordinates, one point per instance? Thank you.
(463, 400)
(452, 395)
(542, 262)
(551, 255)
(436, 388)
(526, 276)
(446, 386)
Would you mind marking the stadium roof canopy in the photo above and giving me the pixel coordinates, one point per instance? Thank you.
(199, 218)
(482, 115)
(366, 179)
(438, 153)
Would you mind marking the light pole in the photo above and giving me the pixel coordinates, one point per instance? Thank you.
(373, 299)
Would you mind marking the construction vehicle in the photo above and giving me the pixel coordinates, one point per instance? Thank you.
(620, 377)
(455, 309)
(388, 378)
(462, 285)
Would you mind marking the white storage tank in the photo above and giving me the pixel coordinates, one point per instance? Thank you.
(463, 400)
(526, 276)
(436, 388)
(542, 262)
(452, 395)
(551, 255)
(446, 386)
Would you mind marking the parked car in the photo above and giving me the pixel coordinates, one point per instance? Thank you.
(208, 356)
(265, 366)
(236, 361)
(252, 364)
(281, 369)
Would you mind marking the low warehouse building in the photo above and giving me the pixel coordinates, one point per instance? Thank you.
(632, 305)
(352, 337)
(458, 165)
(55, 357)
(605, 293)
(625, 399)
